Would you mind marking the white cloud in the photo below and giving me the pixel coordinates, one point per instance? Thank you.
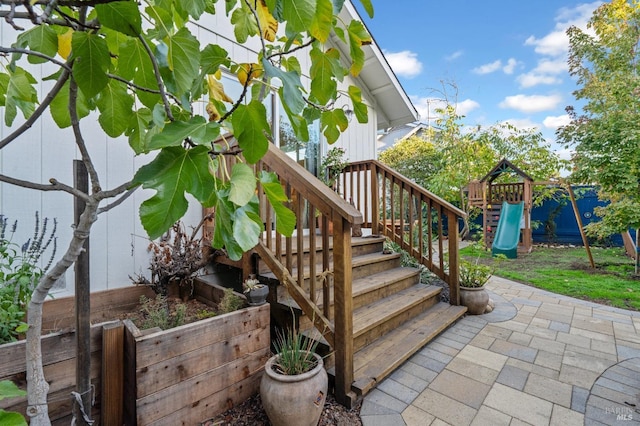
(552, 122)
(556, 42)
(455, 55)
(531, 103)
(488, 68)
(427, 107)
(466, 106)
(510, 67)
(494, 66)
(404, 63)
(532, 79)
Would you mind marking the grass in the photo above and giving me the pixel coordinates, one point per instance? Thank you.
(566, 270)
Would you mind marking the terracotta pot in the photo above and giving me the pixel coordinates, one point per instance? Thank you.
(475, 299)
(258, 296)
(294, 400)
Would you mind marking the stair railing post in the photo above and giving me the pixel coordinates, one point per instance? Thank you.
(342, 278)
(375, 199)
(454, 260)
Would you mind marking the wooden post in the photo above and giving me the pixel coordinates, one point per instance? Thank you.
(112, 373)
(576, 212)
(343, 311)
(454, 260)
(375, 200)
(82, 412)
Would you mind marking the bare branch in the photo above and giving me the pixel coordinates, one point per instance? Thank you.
(10, 16)
(54, 185)
(7, 50)
(142, 89)
(38, 112)
(115, 192)
(242, 96)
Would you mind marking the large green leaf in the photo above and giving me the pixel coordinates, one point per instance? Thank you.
(359, 108)
(115, 108)
(358, 36)
(8, 418)
(162, 18)
(92, 60)
(197, 129)
(172, 173)
(244, 23)
(60, 107)
(322, 20)
(212, 57)
(250, 127)
(368, 7)
(8, 389)
(243, 184)
(291, 90)
(123, 16)
(21, 95)
(223, 229)
(246, 231)
(183, 59)
(323, 85)
(298, 14)
(195, 8)
(285, 218)
(41, 38)
(137, 130)
(135, 64)
(333, 122)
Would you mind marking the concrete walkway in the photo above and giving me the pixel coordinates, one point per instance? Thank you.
(538, 358)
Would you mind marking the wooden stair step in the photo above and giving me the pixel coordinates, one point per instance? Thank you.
(377, 318)
(380, 358)
(362, 266)
(366, 289)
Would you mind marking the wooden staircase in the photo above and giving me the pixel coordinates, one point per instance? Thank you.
(372, 312)
(394, 315)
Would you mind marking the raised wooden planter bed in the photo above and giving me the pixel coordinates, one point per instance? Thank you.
(178, 376)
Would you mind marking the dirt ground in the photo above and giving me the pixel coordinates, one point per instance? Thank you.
(250, 413)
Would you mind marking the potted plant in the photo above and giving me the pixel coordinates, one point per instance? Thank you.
(294, 384)
(473, 277)
(255, 292)
(332, 165)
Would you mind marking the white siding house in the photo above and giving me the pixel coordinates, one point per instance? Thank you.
(118, 243)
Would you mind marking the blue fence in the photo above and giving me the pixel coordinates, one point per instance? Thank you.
(557, 222)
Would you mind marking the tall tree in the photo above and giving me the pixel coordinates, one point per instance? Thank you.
(606, 135)
(139, 68)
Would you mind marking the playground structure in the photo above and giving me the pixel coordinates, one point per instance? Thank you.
(510, 201)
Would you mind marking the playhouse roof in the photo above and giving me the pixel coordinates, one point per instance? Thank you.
(503, 166)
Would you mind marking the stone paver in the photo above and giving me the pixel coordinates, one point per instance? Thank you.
(537, 359)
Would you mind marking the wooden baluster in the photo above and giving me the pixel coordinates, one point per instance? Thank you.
(375, 199)
(311, 218)
(454, 260)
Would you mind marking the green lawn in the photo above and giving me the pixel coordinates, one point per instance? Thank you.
(567, 271)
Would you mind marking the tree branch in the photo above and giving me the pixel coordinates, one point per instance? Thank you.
(156, 71)
(6, 50)
(38, 112)
(54, 185)
(114, 193)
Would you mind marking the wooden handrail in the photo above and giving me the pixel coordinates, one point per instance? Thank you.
(313, 190)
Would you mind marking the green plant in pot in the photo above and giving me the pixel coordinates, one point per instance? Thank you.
(473, 277)
(294, 384)
(332, 165)
(255, 291)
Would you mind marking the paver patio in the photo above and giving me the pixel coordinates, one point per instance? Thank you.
(538, 358)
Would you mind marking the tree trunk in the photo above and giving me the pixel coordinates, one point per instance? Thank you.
(37, 386)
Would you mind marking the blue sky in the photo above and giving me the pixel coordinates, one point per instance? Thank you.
(507, 58)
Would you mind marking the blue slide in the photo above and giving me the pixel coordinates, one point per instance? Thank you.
(507, 235)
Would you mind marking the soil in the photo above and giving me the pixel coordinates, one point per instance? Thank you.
(194, 311)
(250, 413)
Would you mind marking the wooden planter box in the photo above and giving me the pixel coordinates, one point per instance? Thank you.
(178, 376)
